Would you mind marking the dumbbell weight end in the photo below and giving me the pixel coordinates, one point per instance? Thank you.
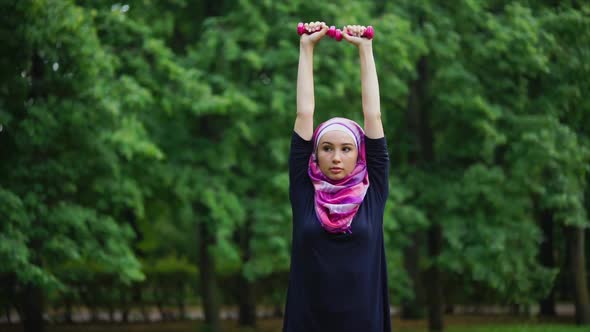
(369, 32)
(300, 29)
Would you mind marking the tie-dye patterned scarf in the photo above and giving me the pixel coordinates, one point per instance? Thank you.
(337, 202)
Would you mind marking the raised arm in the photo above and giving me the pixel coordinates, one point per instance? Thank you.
(305, 89)
(369, 81)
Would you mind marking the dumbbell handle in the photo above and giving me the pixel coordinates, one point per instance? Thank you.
(335, 33)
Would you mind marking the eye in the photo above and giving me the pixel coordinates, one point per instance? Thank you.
(346, 149)
(327, 148)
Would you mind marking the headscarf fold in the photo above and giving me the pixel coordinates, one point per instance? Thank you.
(337, 202)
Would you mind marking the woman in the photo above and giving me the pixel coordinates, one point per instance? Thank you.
(338, 188)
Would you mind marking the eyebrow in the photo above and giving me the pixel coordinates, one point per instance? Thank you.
(334, 144)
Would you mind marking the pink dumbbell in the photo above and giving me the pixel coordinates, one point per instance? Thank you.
(332, 31)
(335, 33)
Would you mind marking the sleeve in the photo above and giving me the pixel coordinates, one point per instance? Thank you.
(298, 163)
(378, 166)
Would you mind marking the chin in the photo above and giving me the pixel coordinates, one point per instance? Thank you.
(336, 177)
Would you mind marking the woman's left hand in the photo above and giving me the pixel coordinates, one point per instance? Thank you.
(353, 33)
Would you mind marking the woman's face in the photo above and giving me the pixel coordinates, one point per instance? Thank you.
(337, 154)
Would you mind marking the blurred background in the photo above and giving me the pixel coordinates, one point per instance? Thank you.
(144, 144)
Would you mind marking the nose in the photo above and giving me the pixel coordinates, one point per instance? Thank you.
(336, 158)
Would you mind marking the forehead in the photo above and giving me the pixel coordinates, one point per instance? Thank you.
(337, 137)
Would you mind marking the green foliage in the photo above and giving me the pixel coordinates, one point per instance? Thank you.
(14, 237)
(58, 134)
(124, 128)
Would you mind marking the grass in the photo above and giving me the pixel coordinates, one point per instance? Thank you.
(464, 323)
(522, 328)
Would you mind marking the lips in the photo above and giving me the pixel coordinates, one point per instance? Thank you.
(335, 170)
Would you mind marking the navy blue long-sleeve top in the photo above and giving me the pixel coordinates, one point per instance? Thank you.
(337, 282)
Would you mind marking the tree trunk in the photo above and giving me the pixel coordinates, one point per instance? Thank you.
(138, 300)
(420, 121)
(68, 313)
(547, 259)
(575, 239)
(7, 313)
(247, 299)
(8, 282)
(209, 291)
(180, 301)
(435, 298)
(32, 303)
(33, 309)
(160, 306)
(125, 303)
(413, 309)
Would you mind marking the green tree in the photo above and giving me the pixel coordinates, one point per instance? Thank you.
(64, 142)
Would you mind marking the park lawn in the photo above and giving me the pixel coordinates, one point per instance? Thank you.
(452, 324)
(521, 328)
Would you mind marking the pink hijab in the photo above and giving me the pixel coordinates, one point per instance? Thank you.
(337, 202)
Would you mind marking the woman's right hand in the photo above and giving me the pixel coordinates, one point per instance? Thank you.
(319, 30)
